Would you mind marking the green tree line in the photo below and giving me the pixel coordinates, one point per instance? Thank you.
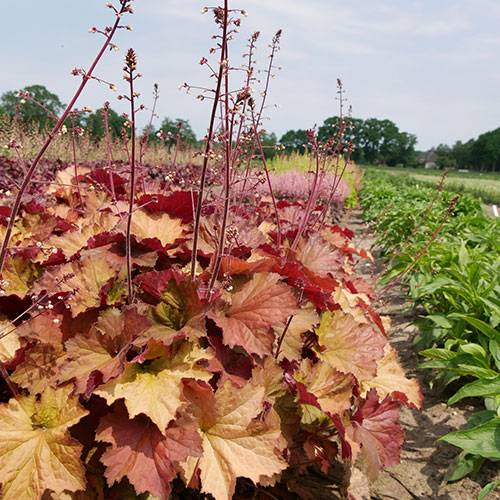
(482, 154)
(374, 141)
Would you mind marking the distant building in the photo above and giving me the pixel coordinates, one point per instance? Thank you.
(427, 159)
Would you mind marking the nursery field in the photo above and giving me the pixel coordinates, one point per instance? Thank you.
(445, 254)
(191, 325)
(485, 186)
(191, 321)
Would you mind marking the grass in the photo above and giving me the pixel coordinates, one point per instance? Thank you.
(485, 186)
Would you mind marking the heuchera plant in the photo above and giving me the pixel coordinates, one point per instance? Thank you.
(151, 332)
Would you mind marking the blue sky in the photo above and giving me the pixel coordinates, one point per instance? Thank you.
(431, 66)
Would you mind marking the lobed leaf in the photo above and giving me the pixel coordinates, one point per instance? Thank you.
(261, 303)
(235, 443)
(37, 452)
(350, 347)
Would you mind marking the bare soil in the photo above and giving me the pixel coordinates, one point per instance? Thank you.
(424, 461)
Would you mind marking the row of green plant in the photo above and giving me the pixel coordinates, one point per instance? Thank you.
(484, 186)
(447, 253)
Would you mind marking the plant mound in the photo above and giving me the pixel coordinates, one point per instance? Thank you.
(281, 365)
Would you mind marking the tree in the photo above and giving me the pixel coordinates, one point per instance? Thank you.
(94, 123)
(352, 130)
(268, 140)
(462, 153)
(371, 139)
(485, 151)
(11, 101)
(445, 158)
(295, 140)
(176, 126)
(374, 141)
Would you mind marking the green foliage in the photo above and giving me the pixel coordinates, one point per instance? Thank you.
(483, 185)
(374, 141)
(268, 141)
(481, 154)
(171, 128)
(455, 284)
(295, 141)
(11, 104)
(94, 123)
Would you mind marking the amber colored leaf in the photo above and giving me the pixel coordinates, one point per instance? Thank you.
(40, 368)
(349, 303)
(317, 256)
(148, 226)
(72, 242)
(103, 349)
(379, 434)
(333, 390)
(43, 329)
(17, 275)
(63, 181)
(235, 443)
(8, 344)
(154, 387)
(234, 265)
(37, 452)
(350, 347)
(143, 454)
(36, 226)
(88, 276)
(261, 303)
(270, 376)
(304, 321)
(350, 249)
(391, 380)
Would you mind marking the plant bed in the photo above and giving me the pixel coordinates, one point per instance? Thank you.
(164, 334)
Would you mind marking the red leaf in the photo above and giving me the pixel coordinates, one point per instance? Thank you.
(261, 303)
(143, 454)
(155, 282)
(380, 433)
(100, 176)
(179, 204)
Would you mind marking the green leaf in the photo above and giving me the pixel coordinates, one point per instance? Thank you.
(433, 286)
(483, 440)
(475, 350)
(482, 387)
(480, 325)
(460, 466)
(463, 256)
(480, 418)
(440, 320)
(458, 366)
(495, 352)
(488, 489)
(435, 353)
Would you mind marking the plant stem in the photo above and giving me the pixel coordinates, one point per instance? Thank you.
(128, 238)
(199, 202)
(29, 174)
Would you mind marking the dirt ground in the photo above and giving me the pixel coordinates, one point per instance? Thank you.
(423, 462)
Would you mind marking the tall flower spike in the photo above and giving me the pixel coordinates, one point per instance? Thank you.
(131, 60)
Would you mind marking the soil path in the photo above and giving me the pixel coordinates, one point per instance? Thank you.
(423, 461)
